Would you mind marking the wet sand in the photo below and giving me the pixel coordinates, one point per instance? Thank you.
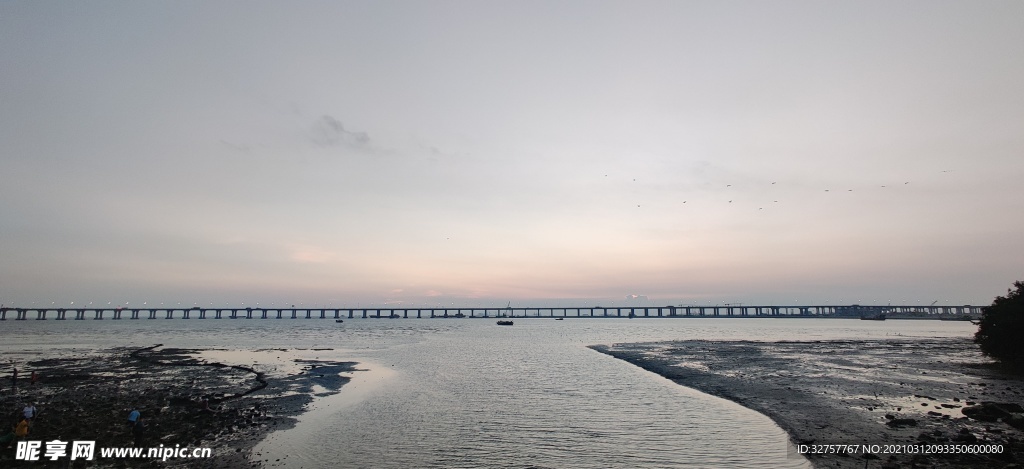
(857, 392)
(88, 395)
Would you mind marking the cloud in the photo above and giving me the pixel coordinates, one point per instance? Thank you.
(328, 131)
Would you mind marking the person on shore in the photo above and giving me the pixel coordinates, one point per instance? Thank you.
(34, 378)
(14, 378)
(139, 431)
(29, 412)
(21, 431)
(133, 417)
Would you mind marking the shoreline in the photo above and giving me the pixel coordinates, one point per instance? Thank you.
(87, 396)
(893, 391)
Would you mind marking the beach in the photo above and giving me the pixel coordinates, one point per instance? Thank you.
(185, 400)
(894, 392)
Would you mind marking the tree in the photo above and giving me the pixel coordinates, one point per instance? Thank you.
(1001, 330)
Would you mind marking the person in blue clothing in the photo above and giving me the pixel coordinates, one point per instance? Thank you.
(133, 416)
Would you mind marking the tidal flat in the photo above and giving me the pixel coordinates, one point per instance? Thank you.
(185, 399)
(860, 392)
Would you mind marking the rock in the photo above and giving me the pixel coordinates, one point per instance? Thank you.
(896, 423)
(1015, 421)
(965, 437)
(991, 411)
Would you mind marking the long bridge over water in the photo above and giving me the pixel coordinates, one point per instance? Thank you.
(819, 311)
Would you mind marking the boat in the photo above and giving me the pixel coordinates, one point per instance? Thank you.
(559, 319)
(504, 323)
(339, 320)
(877, 317)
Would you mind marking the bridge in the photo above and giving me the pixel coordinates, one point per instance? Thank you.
(820, 311)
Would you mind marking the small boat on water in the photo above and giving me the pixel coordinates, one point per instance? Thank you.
(339, 320)
(877, 317)
(559, 319)
(504, 323)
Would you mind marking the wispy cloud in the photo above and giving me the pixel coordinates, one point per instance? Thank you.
(328, 131)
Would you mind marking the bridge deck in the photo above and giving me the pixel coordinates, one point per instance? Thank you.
(854, 311)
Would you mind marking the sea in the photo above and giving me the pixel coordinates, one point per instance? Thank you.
(467, 393)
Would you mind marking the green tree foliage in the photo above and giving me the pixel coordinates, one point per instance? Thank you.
(1001, 330)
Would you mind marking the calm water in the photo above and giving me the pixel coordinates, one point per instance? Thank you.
(468, 393)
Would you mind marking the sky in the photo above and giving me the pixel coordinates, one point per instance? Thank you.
(433, 153)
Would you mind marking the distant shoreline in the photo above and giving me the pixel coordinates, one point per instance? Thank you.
(850, 391)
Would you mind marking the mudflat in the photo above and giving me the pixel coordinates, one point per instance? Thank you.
(925, 392)
(184, 400)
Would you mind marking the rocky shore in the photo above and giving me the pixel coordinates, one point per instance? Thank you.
(884, 392)
(184, 401)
